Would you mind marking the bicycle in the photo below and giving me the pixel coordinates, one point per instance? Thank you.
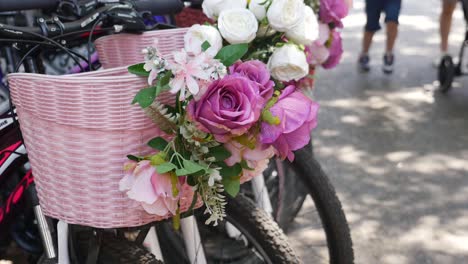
(270, 252)
(448, 70)
(285, 184)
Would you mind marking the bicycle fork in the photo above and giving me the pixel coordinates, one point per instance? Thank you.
(43, 224)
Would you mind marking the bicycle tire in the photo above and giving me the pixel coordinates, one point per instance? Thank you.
(255, 224)
(114, 250)
(446, 73)
(123, 251)
(339, 243)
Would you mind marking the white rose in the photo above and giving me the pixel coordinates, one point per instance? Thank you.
(285, 14)
(288, 63)
(198, 34)
(212, 8)
(258, 9)
(237, 25)
(307, 30)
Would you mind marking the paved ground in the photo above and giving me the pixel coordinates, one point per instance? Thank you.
(396, 149)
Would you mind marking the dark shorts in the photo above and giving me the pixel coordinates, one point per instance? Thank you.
(375, 7)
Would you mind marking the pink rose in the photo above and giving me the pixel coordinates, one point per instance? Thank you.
(153, 190)
(298, 116)
(229, 107)
(256, 71)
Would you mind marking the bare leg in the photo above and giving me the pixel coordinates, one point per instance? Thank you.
(445, 23)
(367, 41)
(392, 32)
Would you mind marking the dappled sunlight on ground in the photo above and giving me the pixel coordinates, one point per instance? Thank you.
(395, 148)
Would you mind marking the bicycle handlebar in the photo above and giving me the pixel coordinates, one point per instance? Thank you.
(123, 11)
(156, 7)
(159, 7)
(15, 5)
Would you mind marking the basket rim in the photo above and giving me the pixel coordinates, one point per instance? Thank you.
(151, 32)
(80, 77)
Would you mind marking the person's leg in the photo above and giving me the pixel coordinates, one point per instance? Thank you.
(373, 10)
(392, 32)
(448, 6)
(367, 41)
(392, 12)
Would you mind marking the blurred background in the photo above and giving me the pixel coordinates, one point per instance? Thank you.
(395, 148)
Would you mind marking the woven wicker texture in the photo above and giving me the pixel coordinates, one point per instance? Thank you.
(78, 130)
(109, 45)
(125, 49)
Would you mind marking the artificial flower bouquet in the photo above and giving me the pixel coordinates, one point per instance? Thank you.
(239, 99)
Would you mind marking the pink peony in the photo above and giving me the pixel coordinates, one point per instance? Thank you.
(229, 107)
(240, 152)
(256, 71)
(153, 190)
(259, 167)
(256, 158)
(298, 116)
(317, 53)
(336, 50)
(332, 11)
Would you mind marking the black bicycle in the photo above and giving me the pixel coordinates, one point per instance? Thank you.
(448, 70)
(249, 233)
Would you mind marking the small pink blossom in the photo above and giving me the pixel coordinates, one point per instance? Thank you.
(188, 71)
(153, 190)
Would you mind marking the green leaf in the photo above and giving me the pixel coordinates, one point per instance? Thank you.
(231, 185)
(138, 70)
(165, 167)
(206, 45)
(231, 53)
(244, 165)
(182, 172)
(165, 78)
(134, 158)
(220, 153)
(192, 167)
(158, 143)
(145, 97)
(233, 171)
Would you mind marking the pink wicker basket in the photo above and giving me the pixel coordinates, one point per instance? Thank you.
(78, 130)
(125, 49)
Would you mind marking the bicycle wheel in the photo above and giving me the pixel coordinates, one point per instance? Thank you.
(260, 239)
(446, 73)
(332, 221)
(113, 250)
